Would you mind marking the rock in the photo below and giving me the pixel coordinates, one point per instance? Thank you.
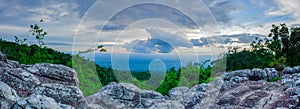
(199, 88)
(56, 86)
(40, 102)
(239, 73)
(291, 80)
(117, 94)
(7, 96)
(69, 95)
(228, 85)
(258, 74)
(51, 73)
(165, 104)
(228, 100)
(255, 94)
(289, 70)
(150, 94)
(253, 75)
(3, 57)
(39, 86)
(124, 95)
(194, 101)
(271, 73)
(177, 94)
(238, 79)
(20, 80)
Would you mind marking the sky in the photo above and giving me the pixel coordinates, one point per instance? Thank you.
(148, 26)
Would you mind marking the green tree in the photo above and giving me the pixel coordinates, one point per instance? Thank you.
(39, 34)
(278, 40)
(172, 79)
(294, 47)
(19, 41)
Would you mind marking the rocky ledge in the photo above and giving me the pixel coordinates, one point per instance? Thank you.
(53, 86)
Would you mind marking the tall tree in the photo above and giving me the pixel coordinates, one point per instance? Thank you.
(39, 33)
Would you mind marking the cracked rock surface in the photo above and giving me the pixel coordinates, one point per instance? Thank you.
(50, 86)
(41, 86)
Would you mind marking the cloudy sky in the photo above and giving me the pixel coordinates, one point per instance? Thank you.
(149, 26)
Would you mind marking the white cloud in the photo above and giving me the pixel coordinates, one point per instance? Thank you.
(13, 30)
(285, 7)
(62, 19)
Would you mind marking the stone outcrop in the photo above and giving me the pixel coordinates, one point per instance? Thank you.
(42, 85)
(240, 89)
(51, 73)
(56, 86)
(8, 96)
(120, 95)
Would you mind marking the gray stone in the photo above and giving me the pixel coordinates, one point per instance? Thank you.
(238, 79)
(199, 88)
(51, 73)
(20, 80)
(40, 102)
(124, 95)
(69, 95)
(258, 74)
(13, 64)
(7, 96)
(271, 73)
(3, 57)
(289, 70)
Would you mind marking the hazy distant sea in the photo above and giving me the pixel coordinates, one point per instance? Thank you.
(145, 62)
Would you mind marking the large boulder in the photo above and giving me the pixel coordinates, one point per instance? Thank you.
(52, 73)
(255, 94)
(7, 96)
(123, 95)
(253, 75)
(3, 57)
(69, 95)
(22, 81)
(289, 70)
(38, 86)
(39, 102)
(56, 86)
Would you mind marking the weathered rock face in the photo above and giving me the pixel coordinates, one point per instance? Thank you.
(122, 95)
(61, 93)
(39, 86)
(19, 79)
(255, 94)
(243, 89)
(51, 73)
(39, 101)
(56, 87)
(8, 96)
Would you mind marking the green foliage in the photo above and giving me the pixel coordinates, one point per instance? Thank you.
(89, 81)
(172, 79)
(205, 73)
(20, 41)
(141, 76)
(193, 74)
(275, 79)
(32, 54)
(39, 34)
(294, 47)
(280, 49)
(248, 59)
(106, 75)
(284, 43)
(189, 75)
